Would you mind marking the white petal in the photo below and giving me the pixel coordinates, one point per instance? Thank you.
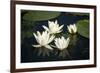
(56, 22)
(51, 26)
(46, 28)
(51, 39)
(75, 28)
(57, 46)
(56, 43)
(63, 41)
(67, 42)
(39, 37)
(61, 27)
(44, 38)
(69, 29)
(53, 46)
(60, 43)
(61, 48)
(36, 45)
(35, 35)
(38, 33)
(59, 31)
(49, 47)
(49, 22)
(71, 26)
(43, 34)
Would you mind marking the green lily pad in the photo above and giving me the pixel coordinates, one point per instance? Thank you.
(40, 15)
(80, 14)
(83, 28)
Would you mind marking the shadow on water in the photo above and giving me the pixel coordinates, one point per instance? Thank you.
(79, 51)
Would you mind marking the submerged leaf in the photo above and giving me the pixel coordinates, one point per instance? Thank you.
(40, 15)
(83, 28)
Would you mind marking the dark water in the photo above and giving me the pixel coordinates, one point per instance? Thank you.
(78, 50)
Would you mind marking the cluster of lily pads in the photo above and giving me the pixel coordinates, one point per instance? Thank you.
(45, 38)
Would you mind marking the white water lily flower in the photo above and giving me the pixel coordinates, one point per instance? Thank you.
(43, 39)
(62, 43)
(53, 27)
(72, 28)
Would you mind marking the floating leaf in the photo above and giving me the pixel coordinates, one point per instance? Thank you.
(80, 14)
(40, 15)
(83, 28)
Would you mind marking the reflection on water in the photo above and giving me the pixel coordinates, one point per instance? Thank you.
(78, 48)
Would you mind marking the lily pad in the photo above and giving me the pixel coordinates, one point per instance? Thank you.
(40, 15)
(83, 28)
(80, 14)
